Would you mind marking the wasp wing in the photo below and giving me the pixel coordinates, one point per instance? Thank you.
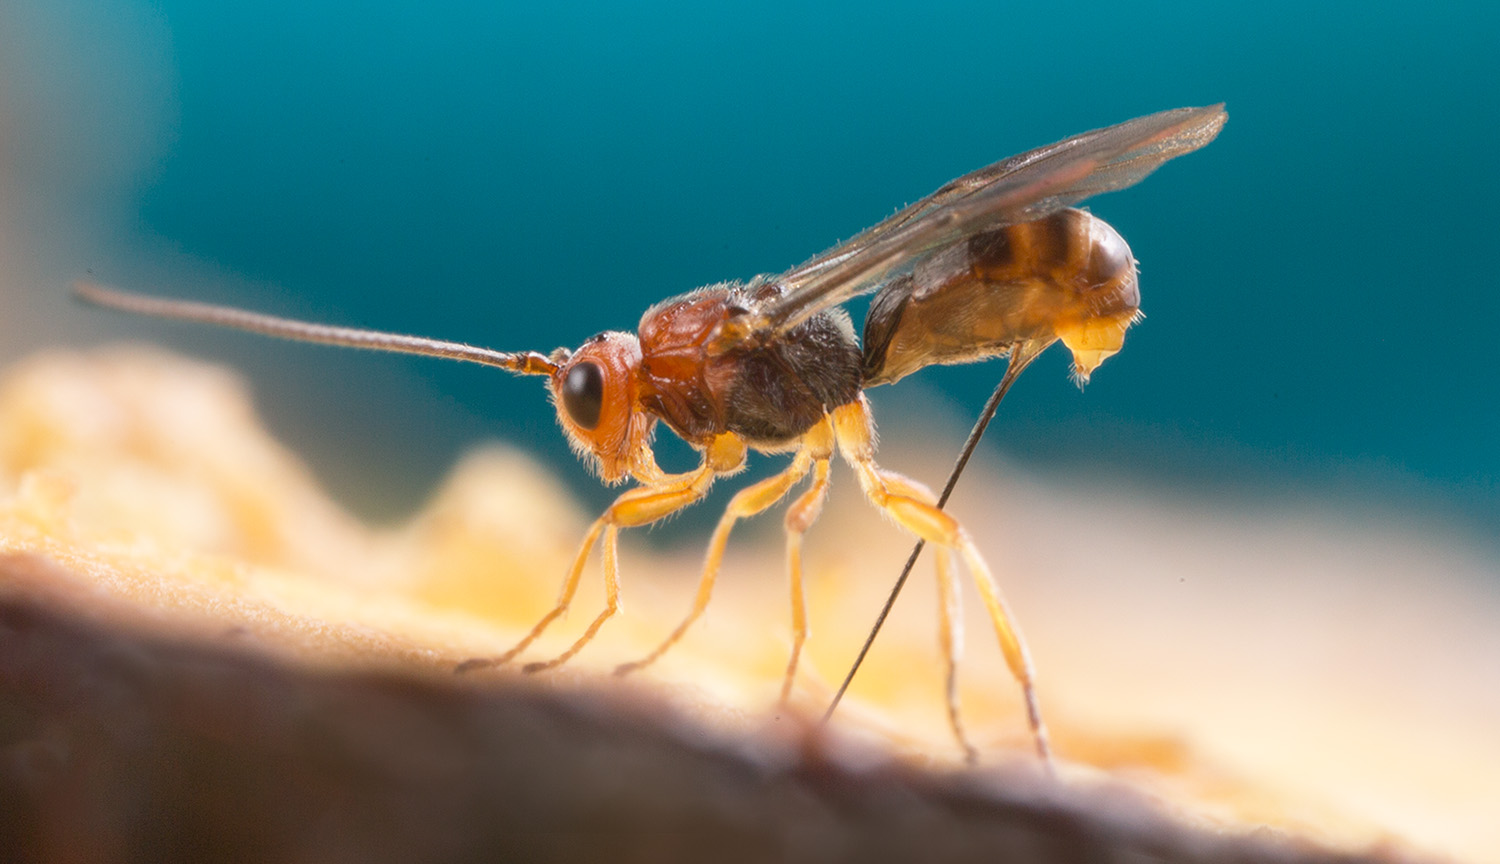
(1019, 189)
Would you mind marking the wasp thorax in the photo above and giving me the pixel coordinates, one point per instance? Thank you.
(595, 394)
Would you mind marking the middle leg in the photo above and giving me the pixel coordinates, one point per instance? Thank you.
(798, 519)
(816, 446)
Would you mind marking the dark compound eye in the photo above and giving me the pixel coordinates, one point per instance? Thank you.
(583, 394)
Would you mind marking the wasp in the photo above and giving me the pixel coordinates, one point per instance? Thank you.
(996, 263)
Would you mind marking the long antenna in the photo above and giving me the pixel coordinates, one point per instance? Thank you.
(523, 363)
(1020, 357)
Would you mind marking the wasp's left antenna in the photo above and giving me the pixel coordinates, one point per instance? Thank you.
(522, 363)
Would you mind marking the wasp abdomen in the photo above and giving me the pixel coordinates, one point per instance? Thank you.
(1069, 276)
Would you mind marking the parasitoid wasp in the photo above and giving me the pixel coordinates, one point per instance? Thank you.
(995, 263)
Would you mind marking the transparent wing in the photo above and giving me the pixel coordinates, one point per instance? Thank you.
(1019, 189)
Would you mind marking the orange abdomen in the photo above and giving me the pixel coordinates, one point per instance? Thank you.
(1069, 276)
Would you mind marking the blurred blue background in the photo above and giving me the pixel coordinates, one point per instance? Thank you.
(1320, 282)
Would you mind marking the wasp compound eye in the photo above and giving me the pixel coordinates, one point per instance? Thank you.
(583, 394)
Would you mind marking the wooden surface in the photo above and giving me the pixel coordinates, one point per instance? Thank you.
(204, 658)
(121, 746)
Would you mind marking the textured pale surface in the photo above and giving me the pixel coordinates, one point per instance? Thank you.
(1242, 672)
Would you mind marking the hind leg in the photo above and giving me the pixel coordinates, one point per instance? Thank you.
(913, 507)
(951, 638)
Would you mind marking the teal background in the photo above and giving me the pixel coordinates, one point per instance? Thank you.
(1319, 283)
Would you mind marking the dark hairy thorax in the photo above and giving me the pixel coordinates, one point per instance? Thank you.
(769, 394)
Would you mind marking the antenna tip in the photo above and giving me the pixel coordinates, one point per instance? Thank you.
(87, 291)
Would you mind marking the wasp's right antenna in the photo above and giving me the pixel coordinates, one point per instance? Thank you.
(1020, 357)
(522, 363)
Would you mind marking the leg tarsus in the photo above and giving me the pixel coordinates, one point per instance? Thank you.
(565, 599)
(611, 603)
(1012, 646)
(799, 614)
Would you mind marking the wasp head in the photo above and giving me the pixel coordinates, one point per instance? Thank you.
(594, 391)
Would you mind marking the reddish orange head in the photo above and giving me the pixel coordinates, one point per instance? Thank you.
(595, 391)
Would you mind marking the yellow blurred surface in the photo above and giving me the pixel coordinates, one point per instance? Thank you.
(1250, 668)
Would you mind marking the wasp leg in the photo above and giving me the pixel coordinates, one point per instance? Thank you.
(951, 637)
(611, 602)
(747, 502)
(638, 506)
(913, 507)
(803, 512)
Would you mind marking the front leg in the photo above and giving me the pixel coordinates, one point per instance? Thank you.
(640, 506)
